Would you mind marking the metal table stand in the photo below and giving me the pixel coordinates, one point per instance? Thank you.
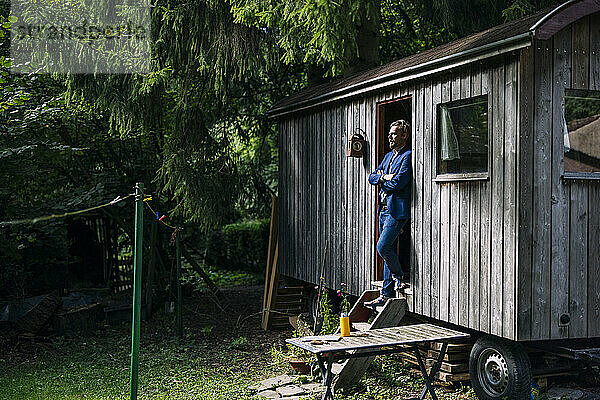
(326, 361)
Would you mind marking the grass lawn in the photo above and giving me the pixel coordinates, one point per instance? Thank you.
(220, 357)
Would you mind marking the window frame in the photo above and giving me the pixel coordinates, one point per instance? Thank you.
(569, 175)
(461, 176)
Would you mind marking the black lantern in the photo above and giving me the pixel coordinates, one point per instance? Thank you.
(356, 144)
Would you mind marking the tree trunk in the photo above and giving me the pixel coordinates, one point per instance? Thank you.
(367, 39)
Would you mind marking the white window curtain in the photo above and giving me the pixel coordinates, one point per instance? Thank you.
(449, 142)
(567, 142)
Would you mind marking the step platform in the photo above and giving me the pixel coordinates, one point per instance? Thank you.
(364, 319)
(455, 365)
(406, 293)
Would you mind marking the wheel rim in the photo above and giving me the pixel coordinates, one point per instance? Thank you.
(314, 305)
(493, 372)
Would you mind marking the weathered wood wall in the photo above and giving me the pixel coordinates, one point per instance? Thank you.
(559, 220)
(464, 232)
(325, 195)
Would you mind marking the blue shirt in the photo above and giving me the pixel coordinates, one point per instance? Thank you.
(398, 188)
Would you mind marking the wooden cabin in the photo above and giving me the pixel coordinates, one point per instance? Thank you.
(505, 226)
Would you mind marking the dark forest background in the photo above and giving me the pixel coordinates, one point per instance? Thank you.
(194, 129)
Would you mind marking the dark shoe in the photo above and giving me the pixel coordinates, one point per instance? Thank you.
(378, 302)
(402, 285)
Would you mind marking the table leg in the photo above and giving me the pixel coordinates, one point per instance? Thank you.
(427, 377)
(327, 375)
(434, 369)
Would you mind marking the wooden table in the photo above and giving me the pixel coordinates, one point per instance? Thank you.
(332, 348)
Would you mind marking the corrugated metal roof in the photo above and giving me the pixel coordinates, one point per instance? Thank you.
(485, 39)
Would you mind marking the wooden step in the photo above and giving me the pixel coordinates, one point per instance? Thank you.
(406, 293)
(290, 297)
(288, 304)
(379, 309)
(445, 367)
(285, 302)
(288, 311)
(448, 372)
(448, 356)
(361, 326)
(450, 368)
(455, 365)
(388, 316)
(297, 290)
(337, 367)
(453, 347)
(449, 377)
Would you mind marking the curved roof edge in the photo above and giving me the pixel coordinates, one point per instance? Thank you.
(562, 16)
(491, 42)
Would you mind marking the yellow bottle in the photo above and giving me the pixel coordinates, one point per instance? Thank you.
(344, 325)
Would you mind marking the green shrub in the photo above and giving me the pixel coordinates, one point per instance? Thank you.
(242, 245)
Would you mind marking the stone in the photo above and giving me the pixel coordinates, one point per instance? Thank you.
(295, 398)
(290, 390)
(268, 394)
(312, 387)
(259, 387)
(564, 393)
(270, 383)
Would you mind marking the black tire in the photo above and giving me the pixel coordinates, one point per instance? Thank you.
(500, 369)
(313, 305)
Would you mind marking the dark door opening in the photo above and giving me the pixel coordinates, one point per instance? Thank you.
(388, 112)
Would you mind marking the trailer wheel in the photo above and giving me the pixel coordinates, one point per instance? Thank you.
(313, 304)
(500, 369)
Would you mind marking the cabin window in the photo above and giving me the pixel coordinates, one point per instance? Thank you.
(463, 139)
(582, 132)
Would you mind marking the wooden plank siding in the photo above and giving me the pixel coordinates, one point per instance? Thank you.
(464, 220)
(497, 214)
(542, 158)
(427, 270)
(451, 271)
(336, 260)
(474, 227)
(559, 265)
(315, 210)
(460, 281)
(510, 265)
(505, 255)
(348, 244)
(485, 227)
(578, 207)
(444, 224)
(436, 254)
(454, 222)
(417, 191)
(525, 193)
(560, 192)
(594, 198)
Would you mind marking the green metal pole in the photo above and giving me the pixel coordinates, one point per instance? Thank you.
(178, 257)
(137, 290)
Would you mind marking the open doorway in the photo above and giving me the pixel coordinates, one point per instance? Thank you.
(388, 112)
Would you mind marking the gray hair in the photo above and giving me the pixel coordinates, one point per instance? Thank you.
(402, 124)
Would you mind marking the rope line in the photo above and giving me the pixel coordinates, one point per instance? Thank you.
(156, 214)
(116, 200)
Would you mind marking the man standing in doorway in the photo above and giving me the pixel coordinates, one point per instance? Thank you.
(393, 176)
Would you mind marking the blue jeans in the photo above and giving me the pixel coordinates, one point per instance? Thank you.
(389, 229)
